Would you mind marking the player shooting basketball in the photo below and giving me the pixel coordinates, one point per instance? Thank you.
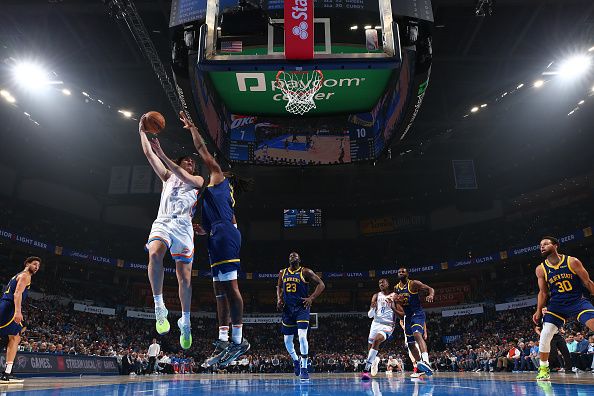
(172, 230)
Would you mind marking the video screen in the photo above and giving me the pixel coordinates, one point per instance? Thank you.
(302, 218)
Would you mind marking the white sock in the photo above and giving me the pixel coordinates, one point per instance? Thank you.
(224, 333)
(158, 300)
(185, 318)
(303, 344)
(8, 368)
(425, 357)
(544, 364)
(291, 347)
(370, 358)
(237, 334)
(304, 361)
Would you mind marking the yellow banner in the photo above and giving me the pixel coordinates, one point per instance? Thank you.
(377, 225)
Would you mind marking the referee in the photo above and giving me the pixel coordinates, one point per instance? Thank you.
(153, 352)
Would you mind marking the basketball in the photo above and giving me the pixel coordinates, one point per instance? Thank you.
(154, 122)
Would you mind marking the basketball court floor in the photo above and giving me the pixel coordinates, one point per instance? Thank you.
(441, 384)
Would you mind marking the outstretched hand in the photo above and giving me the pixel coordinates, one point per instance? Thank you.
(157, 147)
(141, 127)
(184, 118)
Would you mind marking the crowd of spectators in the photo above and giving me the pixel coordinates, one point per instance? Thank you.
(494, 341)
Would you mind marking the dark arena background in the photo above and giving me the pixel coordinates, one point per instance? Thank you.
(447, 137)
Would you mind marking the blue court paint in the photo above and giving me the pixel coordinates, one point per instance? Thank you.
(279, 143)
(264, 385)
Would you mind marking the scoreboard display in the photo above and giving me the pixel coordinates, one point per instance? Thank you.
(302, 218)
(187, 11)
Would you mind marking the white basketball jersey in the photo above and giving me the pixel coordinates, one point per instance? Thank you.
(383, 312)
(177, 198)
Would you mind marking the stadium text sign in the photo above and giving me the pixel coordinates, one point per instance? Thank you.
(252, 93)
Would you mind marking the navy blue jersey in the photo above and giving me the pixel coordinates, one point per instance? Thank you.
(565, 286)
(8, 293)
(295, 287)
(410, 301)
(217, 204)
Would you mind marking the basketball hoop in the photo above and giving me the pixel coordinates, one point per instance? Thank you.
(300, 88)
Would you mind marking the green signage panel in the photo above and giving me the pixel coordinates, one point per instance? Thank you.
(342, 91)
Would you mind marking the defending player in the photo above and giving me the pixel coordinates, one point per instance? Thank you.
(567, 282)
(383, 312)
(172, 230)
(11, 315)
(407, 291)
(292, 299)
(224, 243)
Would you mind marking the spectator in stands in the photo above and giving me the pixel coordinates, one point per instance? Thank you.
(510, 358)
(571, 343)
(534, 354)
(165, 364)
(590, 356)
(577, 357)
(127, 363)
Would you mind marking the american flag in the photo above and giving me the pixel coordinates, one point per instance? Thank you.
(231, 46)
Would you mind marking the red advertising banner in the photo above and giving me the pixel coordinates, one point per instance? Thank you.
(299, 29)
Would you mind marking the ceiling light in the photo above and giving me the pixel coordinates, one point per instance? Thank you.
(4, 93)
(538, 83)
(30, 75)
(474, 109)
(85, 94)
(378, 27)
(125, 113)
(483, 105)
(355, 27)
(10, 99)
(520, 86)
(27, 114)
(591, 49)
(66, 92)
(581, 102)
(575, 66)
(367, 26)
(503, 94)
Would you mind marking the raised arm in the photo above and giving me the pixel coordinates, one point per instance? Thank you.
(577, 267)
(181, 173)
(311, 277)
(152, 158)
(279, 291)
(418, 285)
(543, 294)
(22, 283)
(216, 174)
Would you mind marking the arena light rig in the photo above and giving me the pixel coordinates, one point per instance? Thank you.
(32, 76)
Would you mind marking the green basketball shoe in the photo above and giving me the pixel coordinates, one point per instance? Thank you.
(162, 324)
(544, 373)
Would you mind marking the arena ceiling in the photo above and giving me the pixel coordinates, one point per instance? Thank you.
(520, 142)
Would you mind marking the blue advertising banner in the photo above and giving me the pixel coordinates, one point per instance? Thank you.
(99, 259)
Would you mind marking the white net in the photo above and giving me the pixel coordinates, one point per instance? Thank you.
(299, 87)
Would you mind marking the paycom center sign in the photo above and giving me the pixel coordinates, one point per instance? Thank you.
(342, 91)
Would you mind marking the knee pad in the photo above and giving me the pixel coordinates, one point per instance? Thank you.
(546, 335)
